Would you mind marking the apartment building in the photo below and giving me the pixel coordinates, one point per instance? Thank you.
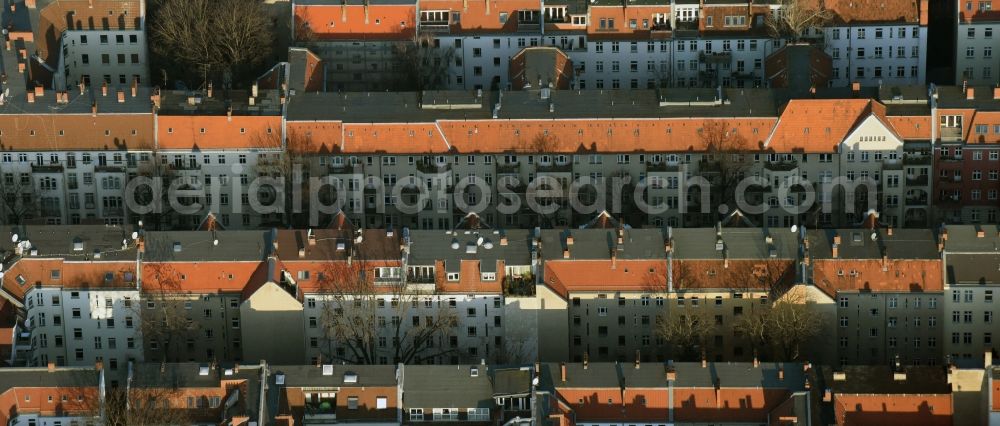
(611, 44)
(888, 285)
(678, 392)
(861, 394)
(966, 156)
(974, 60)
(192, 290)
(970, 286)
(51, 395)
(77, 286)
(81, 42)
(200, 394)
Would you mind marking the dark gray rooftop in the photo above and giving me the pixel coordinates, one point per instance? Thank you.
(197, 102)
(878, 379)
(738, 243)
(427, 247)
(80, 242)
(688, 375)
(198, 246)
(512, 380)
(971, 259)
(596, 244)
(427, 386)
(312, 376)
(858, 244)
(33, 377)
(189, 375)
(965, 239)
(955, 97)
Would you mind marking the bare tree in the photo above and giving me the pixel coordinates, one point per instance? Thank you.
(725, 161)
(163, 315)
(291, 162)
(687, 330)
(373, 320)
(19, 199)
(212, 35)
(782, 327)
(145, 407)
(792, 18)
(421, 64)
(145, 195)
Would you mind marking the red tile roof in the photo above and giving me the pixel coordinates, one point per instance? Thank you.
(896, 275)
(798, 129)
(194, 132)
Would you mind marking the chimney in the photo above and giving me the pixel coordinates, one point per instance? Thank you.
(856, 88)
(781, 373)
(302, 253)
(614, 259)
(104, 89)
(121, 96)
(996, 93)
(888, 231)
(83, 87)
(52, 367)
(569, 240)
(62, 97)
(155, 98)
(756, 361)
(566, 254)
(836, 238)
(944, 234)
(637, 359)
(39, 91)
(586, 360)
(31, 97)
(538, 368)
(704, 360)
(253, 90)
(970, 93)
(99, 365)
(562, 371)
(229, 114)
(135, 87)
(93, 109)
(503, 240)
(980, 233)
(718, 393)
(828, 395)
(988, 358)
(671, 373)
(209, 89)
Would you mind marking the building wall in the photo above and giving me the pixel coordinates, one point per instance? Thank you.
(216, 333)
(271, 324)
(116, 57)
(976, 60)
(969, 324)
(874, 328)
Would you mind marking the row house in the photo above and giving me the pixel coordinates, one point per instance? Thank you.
(617, 285)
(974, 42)
(970, 285)
(602, 393)
(303, 394)
(196, 394)
(612, 44)
(52, 395)
(78, 293)
(867, 394)
(457, 140)
(966, 157)
(888, 288)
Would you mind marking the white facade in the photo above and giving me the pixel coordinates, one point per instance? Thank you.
(977, 53)
(117, 57)
(78, 327)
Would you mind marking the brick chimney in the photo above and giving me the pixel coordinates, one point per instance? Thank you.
(52, 367)
(996, 93)
(856, 88)
(718, 393)
(135, 87)
(569, 240)
(586, 360)
(637, 359)
(671, 373)
(39, 91)
(104, 89)
(503, 240)
(566, 254)
(562, 371)
(82, 86)
(210, 89)
(93, 109)
(970, 93)
(835, 251)
(121, 96)
(31, 97)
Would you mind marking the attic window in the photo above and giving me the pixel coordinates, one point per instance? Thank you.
(109, 276)
(62, 133)
(269, 130)
(32, 133)
(350, 377)
(20, 280)
(202, 130)
(474, 372)
(711, 272)
(243, 130)
(170, 130)
(134, 132)
(107, 133)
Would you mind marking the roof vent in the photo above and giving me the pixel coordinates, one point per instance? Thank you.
(203, 370)
(227, 372)
(97, 253)
(279, 379)
(474, 372)
(341, 246)
(471, 248)
(77, 244)
(327, 369)
(719, 245)
(350, 377)
(177, 246)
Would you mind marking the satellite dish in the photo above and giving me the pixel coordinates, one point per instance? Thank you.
(135, 235)
(215, 242)
(13, 238)
(874, 236)
(795, 228)
(479, 241)
(125, 242)
(140, 224)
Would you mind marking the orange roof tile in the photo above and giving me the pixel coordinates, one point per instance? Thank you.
(623, 16)
(194, 132)
(322, 137)
(898, 275)
(89, 274)
(470, 279)
(893, 409)
(197, 277)
(604, 275)
(482, 15)
(799, 131)
(870, 11)
(977, 14)
(393, 138)
(76, 132)
(991, 121)
(911, 127)
(762, 274)
(336, 21)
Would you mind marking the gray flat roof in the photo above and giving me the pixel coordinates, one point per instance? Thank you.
(857, 243)
(33, 377)
(311, 375)
(60, 241)
(741, 243)
(596, 244)
(198, 246)
(426, 247)
(428, 386)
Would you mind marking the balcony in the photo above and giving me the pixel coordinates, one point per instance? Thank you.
(686, 28)
(917, 160)
(715, 57)
(182, 166)
(916, 201)
(46, 168)
(781, 166)
(432, 167)
(554, 168)
(320, 410)
(951, 133)
(918, 180)
(519, 286)
(508, 168)
(109, 169)
(950, 158)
